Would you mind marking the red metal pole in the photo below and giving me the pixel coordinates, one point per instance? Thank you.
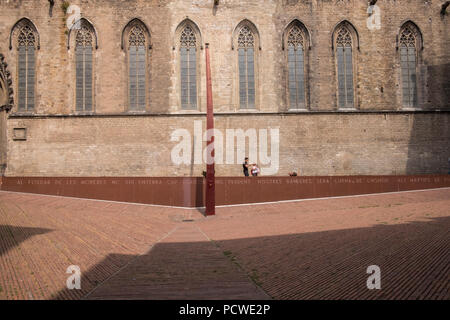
(210, 174)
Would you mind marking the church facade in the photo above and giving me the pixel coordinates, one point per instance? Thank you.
(98, 88)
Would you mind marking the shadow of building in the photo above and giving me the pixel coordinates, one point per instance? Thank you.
(12, 236)
(413, 258)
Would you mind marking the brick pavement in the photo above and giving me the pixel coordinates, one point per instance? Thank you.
(317, 249)
(183, 265)
(42, 236)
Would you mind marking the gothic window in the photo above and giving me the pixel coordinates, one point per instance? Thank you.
(188, 68)
(296, 68)
(137, 68)
(344, 60)
(246, 61)
(84, 76)
(26, 41)
(408, 64)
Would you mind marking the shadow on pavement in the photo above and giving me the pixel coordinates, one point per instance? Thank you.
(12, 236)
(413, 258)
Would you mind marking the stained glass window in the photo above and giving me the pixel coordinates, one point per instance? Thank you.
(296, 68)
(83, 57)
(137, 68)
(27, 64)
(246, 60)
(344, 68)
(408, 63)
(188, 68)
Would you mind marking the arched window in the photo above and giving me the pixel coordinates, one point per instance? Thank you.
(188, 68)
(137, 62)
(246, 62)
(296, 40)
(344, 61)
(84, 67)
(26, 42)
(409, 41)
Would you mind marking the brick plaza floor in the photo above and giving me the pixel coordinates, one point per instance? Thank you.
(314, 249)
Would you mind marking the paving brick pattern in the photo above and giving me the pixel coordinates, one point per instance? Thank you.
(185, 264)
(321, 249)
(317, 249)
(40, 237)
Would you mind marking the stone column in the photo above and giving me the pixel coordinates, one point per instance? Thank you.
(6, 103)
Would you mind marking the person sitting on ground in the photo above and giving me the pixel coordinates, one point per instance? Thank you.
(255, 170)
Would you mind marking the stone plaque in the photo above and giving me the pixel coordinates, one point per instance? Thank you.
(20, 134)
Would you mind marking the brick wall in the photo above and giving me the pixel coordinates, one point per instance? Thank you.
(311, 144)
(330, 143)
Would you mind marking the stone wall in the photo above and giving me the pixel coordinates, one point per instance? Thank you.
(311, 144)
(115, 143)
